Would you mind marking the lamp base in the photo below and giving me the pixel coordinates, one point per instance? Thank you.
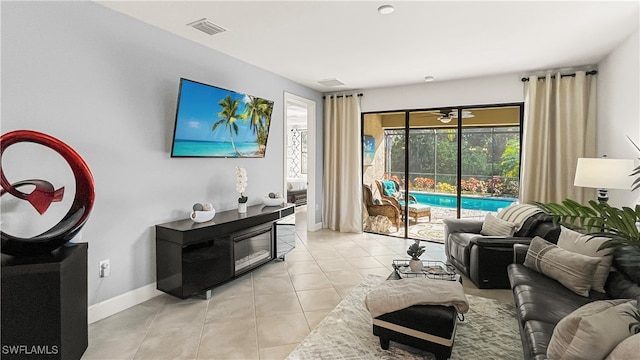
(603, 197)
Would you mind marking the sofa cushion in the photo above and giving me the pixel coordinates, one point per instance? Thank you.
(627, 260)
(538, 334)
(619, 286)
(459, 249)
(574, 271)
(588, 245)
(592, 331)
(541, 225)
(538, 297)
(493, 226)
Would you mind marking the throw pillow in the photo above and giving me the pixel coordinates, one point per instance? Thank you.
(493, 226)
(627, 349)
(587, 245)
(518, 213)
(388, 187)
(574, 271)
(592, 331)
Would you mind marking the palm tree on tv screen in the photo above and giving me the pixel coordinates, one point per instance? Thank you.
(258, 112)
(229, 117)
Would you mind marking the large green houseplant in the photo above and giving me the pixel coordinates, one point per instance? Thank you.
(598, 219)
(620, 225)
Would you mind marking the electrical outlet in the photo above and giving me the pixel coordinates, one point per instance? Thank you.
(105, 268)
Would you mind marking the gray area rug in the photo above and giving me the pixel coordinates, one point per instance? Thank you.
(489, 331)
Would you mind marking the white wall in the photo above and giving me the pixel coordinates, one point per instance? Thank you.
(107, 85)
(476, 91)
(618, 105)
(619, 109)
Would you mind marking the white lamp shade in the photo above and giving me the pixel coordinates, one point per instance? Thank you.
(604, 173)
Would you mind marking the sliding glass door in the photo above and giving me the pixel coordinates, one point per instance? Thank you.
(384, 164)
(446, 163)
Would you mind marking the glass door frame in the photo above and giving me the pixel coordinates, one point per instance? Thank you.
(459, 155)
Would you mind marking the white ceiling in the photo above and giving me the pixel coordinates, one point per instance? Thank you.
(309, 41)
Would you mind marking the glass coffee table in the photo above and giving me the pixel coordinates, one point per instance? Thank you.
(430, 269)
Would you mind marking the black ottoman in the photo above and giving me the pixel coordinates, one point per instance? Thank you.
(428, 327)
(431, 328)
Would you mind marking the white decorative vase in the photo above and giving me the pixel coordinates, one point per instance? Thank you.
(415, 265)
(202, 216)
(242, 208)
(267, 201)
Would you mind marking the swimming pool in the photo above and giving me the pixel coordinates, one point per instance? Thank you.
(468, 202)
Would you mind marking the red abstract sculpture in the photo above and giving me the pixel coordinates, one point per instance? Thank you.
(44, 194)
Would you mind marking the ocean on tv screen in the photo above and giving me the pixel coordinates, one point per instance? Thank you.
(214, 148)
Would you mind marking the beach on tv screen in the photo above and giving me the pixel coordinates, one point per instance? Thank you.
(214, 122)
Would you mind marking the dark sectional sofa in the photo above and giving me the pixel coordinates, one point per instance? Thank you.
(541, 302)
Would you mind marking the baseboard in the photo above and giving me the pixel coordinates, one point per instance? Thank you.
(316, 227)
(116, 304)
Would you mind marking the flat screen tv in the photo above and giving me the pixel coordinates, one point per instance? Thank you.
(214, 122)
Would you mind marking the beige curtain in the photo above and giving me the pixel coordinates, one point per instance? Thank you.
(342, 164)
(559, 127)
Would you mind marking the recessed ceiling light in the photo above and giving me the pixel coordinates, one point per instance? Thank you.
(428, 78)
(385, 9)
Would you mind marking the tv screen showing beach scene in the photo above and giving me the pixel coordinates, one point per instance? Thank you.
(214, 122)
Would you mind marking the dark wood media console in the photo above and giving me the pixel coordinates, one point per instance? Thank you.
(192, 258)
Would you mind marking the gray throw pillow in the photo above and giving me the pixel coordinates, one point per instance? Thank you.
(627, 349)
(587, 245)
(492, 226)
(592, 331)
(518, 213)
(574, 271)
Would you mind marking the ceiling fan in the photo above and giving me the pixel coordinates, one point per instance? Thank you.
(446, 115)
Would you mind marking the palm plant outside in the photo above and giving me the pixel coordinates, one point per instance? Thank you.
(490, 161)
(229, 116)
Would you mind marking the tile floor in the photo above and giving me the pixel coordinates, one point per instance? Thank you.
(263, 314)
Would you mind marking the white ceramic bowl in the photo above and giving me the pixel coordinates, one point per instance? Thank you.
(202, 216)
(267, 201)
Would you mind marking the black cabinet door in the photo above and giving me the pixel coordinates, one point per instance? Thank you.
(205, 265)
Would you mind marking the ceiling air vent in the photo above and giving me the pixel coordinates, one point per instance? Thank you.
(207, 27)
(331, 82)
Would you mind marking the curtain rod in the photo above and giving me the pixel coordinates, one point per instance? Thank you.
(339, 96)
(592, 72)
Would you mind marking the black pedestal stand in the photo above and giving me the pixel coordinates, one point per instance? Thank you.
(44, 305)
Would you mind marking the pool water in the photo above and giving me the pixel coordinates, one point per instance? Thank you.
(468, 202)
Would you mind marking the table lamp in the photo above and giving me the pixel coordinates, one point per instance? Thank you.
(604, 174)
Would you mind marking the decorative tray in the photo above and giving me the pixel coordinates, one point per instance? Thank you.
(430, 269)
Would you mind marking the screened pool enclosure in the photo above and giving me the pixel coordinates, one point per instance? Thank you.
(460, 162)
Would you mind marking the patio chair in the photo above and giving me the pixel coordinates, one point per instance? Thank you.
(384, 208)
(390, 190)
